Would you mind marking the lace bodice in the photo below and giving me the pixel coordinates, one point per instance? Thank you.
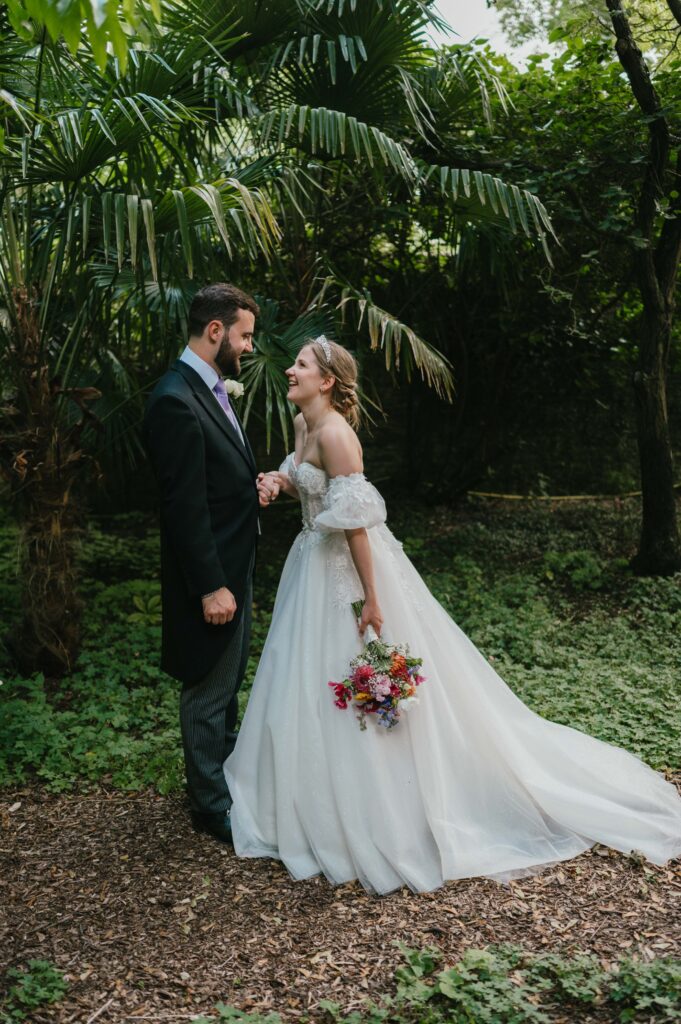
(329, 507)
(342, 503)
(311, 483)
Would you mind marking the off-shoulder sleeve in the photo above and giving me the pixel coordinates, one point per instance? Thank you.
(286, 464)
(351, 502)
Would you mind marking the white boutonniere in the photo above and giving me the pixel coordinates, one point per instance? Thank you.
(234, 389)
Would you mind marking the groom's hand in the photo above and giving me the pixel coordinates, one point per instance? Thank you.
(268, 488)
(219, 607)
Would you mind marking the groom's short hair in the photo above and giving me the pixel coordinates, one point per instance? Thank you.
(218, 302)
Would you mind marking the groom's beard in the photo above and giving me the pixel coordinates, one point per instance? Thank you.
(227, 359)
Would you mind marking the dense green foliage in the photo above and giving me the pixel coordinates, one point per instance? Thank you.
(36, 986)
(224, 147)
(544, 592)
(507, 985)
(543, 357)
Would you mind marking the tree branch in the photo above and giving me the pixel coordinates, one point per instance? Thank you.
(675, 7)
(636, 69)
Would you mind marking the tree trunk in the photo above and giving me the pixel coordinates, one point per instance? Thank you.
(41, 464)
(659, 551)
(657, 262)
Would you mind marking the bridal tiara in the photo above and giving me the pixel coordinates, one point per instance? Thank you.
(323, 342)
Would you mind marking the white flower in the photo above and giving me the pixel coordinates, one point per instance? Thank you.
(406, 702)
(234, 389)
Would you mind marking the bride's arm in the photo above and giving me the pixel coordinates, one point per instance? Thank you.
(358, 542)
(341, 455)
(282, 479)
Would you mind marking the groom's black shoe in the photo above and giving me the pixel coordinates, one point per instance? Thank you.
(217, 825)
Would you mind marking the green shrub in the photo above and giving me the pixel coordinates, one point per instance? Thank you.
(651, 988)
(480, 988)
(603, 660)
(505, 984)
(38, 985)
(582, 568)
(111, 556)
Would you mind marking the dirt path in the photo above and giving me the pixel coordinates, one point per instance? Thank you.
(152, 922)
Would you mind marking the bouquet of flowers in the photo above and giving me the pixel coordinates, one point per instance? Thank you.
(382, 681)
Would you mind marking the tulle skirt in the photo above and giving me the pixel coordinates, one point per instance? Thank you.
(469, 783)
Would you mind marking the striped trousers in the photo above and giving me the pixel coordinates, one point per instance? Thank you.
(209, 712)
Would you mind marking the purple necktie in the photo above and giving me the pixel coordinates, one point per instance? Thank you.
(220, 392)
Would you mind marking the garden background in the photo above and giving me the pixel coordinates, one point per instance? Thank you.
(499, 246)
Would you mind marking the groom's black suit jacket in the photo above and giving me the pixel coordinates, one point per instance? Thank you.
(209, 516)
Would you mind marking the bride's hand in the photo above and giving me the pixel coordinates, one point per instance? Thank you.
(371, 616)
(268, 488)
(282, 481)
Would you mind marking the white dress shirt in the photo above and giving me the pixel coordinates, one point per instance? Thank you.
(209, 377)
(207, 374)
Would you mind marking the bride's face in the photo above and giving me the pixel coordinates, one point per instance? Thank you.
(304, 377)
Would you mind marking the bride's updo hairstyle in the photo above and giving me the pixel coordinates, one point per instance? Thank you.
(335, 361)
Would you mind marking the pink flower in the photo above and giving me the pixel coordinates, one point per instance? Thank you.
(371, 690)
(380, 686)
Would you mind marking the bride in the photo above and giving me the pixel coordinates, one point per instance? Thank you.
(470, 782)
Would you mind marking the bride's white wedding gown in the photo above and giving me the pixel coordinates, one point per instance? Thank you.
(470, 782)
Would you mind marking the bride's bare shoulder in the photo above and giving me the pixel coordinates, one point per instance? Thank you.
(340, 448)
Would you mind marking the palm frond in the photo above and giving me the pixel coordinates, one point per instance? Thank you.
(388, 333)
(314, 46)
(337, 75)
(403, 9)
(275, 349)
(477, 193)
(238, 214)
(337, 134)
(22, 111)
(76, 143)
(451, 82)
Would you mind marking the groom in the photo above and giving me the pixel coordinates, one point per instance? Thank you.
(210, 493)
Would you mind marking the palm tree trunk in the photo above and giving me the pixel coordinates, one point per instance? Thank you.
(42, 466)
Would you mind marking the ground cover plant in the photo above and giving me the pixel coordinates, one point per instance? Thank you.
(147, 920)
(544, 591)
(505, 984)
(31, 989)
(103, 881)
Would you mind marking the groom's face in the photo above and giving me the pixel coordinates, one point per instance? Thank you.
(233, 341)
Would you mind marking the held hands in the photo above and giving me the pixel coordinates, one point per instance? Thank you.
(219, 607)
(268, 485)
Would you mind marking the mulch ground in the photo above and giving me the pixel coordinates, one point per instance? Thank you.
(152, 922)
